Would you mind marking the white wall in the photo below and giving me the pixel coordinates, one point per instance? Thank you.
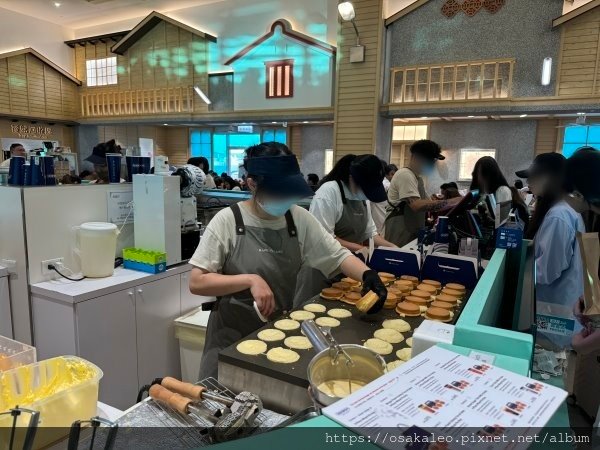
(568, 6)
(237, 23)
(391, 7)
(21, 31)
(52, 212)
(313, 75)
(12, 247)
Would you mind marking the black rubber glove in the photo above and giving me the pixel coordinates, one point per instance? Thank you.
(372, 282)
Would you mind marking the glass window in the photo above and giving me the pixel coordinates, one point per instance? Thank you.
(575, 135)
(578, 136)
(468, 158)
(328, 160)
(275, 135)
(101, 72)
(410, 132)
(220, 153)
(200, 144)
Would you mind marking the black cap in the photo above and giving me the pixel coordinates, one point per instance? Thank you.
(367, 172)
(544, 164)
(427, 149)
(280, 176)
(98, 156)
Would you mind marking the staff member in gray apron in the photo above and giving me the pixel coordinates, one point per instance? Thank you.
(342, 205)
(253, 251)
(408, 201)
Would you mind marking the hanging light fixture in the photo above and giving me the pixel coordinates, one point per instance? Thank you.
(202, 95)
(547, 71)
(348, 14)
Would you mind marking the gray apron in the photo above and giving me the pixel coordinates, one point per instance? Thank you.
(272, 254)
(402, 224)
(351, 227)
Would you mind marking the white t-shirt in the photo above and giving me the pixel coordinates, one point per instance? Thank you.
(378, 210)
(503, 194)
(327, 207)
(403, 186)
(317, 248)
(209, 182)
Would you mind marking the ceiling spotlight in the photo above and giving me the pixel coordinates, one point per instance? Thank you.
(202, 95)
(547, 71)
(165, 124)
(57, 4)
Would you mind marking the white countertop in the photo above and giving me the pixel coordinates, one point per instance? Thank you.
(3, 271)
(78, 291)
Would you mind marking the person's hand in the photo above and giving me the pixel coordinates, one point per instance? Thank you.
(263, 295)
(586, 341)
(578, 309)
(372, 282)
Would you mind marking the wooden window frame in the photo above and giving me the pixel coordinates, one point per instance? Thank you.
(274, 65)
(402, 92)
(107, 76)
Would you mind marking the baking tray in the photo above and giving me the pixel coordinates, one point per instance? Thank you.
(353, 330)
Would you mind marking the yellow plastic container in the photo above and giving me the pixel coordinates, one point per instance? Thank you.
(15, 354)
(62, 390)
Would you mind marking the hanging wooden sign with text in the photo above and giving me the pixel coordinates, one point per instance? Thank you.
(31, 131)
(470, 7)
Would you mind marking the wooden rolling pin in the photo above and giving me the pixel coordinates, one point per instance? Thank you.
(179, 403)
(192, 391)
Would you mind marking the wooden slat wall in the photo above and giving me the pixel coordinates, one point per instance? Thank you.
(29, 87)
(167, 56)
(295, 141)
(546, 139)
(579, 70)
(358, 84)
(65, 135)
(170, 141)
(177, 145)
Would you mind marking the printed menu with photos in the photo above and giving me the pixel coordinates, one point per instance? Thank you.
(440, 389)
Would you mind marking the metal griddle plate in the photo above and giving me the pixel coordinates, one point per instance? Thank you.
(353, 330)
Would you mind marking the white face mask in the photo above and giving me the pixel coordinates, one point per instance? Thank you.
(358, 196)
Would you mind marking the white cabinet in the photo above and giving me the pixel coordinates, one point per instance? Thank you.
(123, 324)
(6, 327)
(190, 301)
(157, 305)
(107, 337)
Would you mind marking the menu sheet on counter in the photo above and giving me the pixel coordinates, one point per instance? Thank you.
(440, 392)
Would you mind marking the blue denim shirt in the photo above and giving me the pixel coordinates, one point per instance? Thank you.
(559, 270)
